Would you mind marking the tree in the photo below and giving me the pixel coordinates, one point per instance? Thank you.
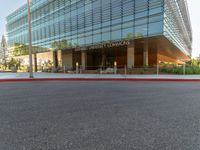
(60, 45)
(129, 36)
(3, 52)
(138, 35)
(193, 62)
(20, 49)
(14, 63)
(198, 60)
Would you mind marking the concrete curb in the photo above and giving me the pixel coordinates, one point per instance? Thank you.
(99, 79)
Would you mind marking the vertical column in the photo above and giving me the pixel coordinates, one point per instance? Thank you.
(35, 61)
(67, 59)
(131, 55)
(55, 59)
(59, 57)
(146, 53)
(83, 59)
(103, 61)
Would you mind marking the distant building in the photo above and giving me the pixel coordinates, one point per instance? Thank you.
(99, 32)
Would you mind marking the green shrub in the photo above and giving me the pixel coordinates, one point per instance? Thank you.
(179, 70)
(142, 72)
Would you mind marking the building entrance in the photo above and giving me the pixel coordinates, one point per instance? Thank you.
(109, 61)
(106, 57)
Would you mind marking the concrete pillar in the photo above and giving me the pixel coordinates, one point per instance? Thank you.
(103, 61)
(146, 53)
(59, 53)
(131, 55)
(55, 60)
(67, 59)
(35, 62)
(83, 59)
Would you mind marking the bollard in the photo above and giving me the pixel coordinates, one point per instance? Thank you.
(183, 69)
(80, 69)
(115, 67)
(52, 69)
(100, 69)
(77, 69)
(64, 67)
(125, 71)
(157, 69)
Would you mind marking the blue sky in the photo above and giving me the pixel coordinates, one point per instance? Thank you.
(8, 6)
(194, 8)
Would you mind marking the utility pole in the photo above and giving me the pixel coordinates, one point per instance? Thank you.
(30, 41)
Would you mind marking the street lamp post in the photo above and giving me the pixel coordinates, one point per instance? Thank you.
(30, 41)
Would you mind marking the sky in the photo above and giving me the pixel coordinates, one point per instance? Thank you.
(8, 6)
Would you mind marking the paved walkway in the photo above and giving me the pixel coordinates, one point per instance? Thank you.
(54, 76)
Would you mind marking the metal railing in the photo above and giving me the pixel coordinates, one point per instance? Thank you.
(123, 70)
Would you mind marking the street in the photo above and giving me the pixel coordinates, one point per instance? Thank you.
(99, 115)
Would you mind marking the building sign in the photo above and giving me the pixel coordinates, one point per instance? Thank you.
(116, 44)
(104, 45)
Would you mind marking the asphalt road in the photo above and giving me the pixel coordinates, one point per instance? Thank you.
(99, 115)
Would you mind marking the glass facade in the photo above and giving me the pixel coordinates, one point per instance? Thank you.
(177, 26)
(72, 23)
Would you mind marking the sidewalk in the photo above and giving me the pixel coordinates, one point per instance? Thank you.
(60, 76)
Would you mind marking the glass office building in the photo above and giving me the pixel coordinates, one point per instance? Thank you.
(99, 32)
